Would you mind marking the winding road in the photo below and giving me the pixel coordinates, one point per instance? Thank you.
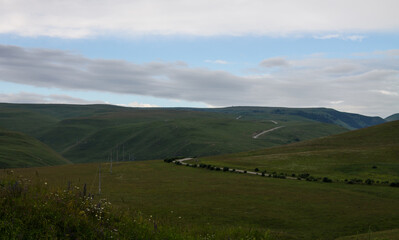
(266, 131)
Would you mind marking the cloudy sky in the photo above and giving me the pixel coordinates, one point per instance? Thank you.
(342, 54)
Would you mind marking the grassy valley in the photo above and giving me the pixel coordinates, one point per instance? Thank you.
(20, 150)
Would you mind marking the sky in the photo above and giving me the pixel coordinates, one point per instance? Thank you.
(341, 54)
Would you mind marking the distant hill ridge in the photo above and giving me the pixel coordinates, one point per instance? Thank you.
(91, 133)
(326, 115)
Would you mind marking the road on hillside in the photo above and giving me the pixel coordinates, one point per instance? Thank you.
(266, 131)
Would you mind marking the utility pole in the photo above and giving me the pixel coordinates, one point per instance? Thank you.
(123, 153)
(99, 178)
(111, 162)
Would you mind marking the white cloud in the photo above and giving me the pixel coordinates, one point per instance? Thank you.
(217, 61)
(78, 19)
(329, 36)
(385, 92)
(341, 37)
(368, 85)
(137, 104)
(336, 102)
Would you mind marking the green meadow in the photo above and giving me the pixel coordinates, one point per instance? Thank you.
(195, 199)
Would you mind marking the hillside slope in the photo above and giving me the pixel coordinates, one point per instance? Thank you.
(20, 150)
(366, 153)
(393, 117)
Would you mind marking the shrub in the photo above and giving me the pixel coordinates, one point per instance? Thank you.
(394, 184)
(256, 169)
(369, 181)
(225, 169)
(326, 179)
(304, 175)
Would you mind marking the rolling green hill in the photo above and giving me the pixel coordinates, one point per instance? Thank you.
(20, 150)
(393, 117)
(90, 133)
(366, 153)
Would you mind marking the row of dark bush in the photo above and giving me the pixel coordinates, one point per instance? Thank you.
(370, 182)
(301, 176)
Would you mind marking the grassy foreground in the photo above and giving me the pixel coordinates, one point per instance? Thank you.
(197, 200)
(33, 211)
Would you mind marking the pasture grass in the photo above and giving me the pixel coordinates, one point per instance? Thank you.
(193, 199)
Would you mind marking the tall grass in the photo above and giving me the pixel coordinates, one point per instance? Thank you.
(33, 211)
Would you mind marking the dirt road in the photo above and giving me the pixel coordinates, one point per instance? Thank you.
(266, 131)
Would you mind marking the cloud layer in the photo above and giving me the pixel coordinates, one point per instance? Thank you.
(77, 19)
(26, 97)
(367, 85)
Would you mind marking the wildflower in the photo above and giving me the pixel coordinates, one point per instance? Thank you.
(45, 183)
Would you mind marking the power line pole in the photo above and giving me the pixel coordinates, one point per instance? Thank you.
(111, 163)
(99, 178)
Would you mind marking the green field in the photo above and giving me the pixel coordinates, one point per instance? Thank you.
(370, 153)
(194, 198)
(20, 150)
